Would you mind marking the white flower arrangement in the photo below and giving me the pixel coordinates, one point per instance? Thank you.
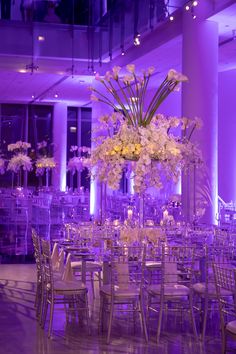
(19, 160)
(78, 163)
(2, 166)
(19, 145)
(145, 138)
(75, 164)
(44, 163)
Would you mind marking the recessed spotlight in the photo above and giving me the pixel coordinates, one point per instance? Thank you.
(187, 7)
(172, 18)
(194, 17)
(22, 71)
(33, 96)
(41, 38)
(95, 72)
(56, 95)
(195, 3)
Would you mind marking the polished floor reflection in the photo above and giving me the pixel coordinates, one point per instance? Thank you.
(20, 332)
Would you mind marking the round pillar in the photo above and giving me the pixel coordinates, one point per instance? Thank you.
(98, 189)
(60, 145)
(200, 99)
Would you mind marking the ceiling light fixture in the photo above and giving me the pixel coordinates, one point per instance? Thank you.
(56, 95)
(171, 18)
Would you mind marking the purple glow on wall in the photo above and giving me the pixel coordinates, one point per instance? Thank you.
(226, 136)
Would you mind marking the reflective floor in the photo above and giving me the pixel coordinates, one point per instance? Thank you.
(20, 332)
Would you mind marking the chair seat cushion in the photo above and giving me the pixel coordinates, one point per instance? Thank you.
(231, 327)
(90, 266)
(201, 289)
(152, 264)
(61, 286)
(128, 291)
(170, 290)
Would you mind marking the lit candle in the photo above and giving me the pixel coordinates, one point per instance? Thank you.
(165, 214)
(130, 213)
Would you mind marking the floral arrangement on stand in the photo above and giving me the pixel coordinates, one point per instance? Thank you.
(20, 161)
(78, 163)
(137, 135)
(44, 163)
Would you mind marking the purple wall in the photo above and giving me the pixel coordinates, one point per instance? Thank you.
(227, 136)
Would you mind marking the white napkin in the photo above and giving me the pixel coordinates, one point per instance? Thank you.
(55, 255)
(60, 263)
(122, 275)
(68, 272)
(171, 274)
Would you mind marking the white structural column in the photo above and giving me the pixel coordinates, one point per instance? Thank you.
(200, 99)
(60, 145)
(97, 189)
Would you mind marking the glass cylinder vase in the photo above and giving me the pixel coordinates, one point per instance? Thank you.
(141, 210)
(47, 178)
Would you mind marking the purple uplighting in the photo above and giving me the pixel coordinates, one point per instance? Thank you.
(117, 176)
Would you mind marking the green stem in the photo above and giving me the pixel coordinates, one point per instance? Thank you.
(190, 135)
(125, 97)
(155, 97)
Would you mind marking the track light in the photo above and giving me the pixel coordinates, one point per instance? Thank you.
(190, 5)
(122, 49)
(137, 39)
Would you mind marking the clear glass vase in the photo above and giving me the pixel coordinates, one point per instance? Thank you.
(141, 210)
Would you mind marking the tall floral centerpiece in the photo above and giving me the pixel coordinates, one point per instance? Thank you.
(138, 134)
(20, 161)
(44, 164)
(77, 163)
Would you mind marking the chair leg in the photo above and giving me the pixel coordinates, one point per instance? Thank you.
(134, 315)
(192, 318)
(99, 279)
(110, 321)
(143, 320)
(51, 318)
(42, 305)
(92, 284)
(206, 304)
(100, 319)
(87, 314)
(224, 342)
(160, 319)
(45, 312)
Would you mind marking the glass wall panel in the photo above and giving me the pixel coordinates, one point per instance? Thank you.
(39, 129)
(12, 129)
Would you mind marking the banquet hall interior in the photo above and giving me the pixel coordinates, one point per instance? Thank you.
(117, 176)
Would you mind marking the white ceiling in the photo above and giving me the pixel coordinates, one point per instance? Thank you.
(53, 76)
